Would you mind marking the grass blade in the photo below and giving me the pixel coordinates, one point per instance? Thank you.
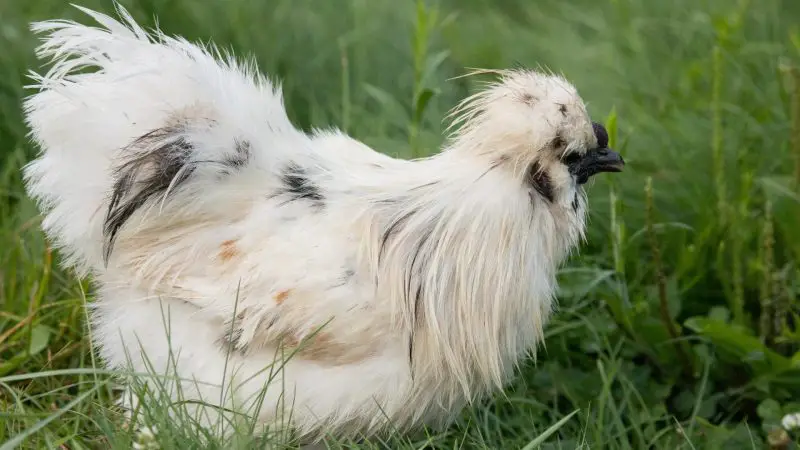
(548, 432)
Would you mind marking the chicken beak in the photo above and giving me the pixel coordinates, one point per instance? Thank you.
(597, 161)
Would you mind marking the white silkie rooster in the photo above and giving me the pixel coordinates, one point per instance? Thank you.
(219, 236)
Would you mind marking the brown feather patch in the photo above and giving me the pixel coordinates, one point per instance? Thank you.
(324, 348)
(281, 296)
(228, 250)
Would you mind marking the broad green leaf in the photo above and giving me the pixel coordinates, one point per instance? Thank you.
(422, 102)
(432, 65)
(40, 338)
(720, 314)
(769, 410)
(749, 349)
(795, 362)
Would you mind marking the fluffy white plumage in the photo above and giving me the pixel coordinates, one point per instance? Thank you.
(173, 176)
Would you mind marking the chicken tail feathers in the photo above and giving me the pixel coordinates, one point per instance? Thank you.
(131, 123)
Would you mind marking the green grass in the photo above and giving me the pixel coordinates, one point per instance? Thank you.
(678, 322)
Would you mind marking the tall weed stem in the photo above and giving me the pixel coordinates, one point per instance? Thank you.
(661, 279)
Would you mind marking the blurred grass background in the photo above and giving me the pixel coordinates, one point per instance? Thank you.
(678, 322)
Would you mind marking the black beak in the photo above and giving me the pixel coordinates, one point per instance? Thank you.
(597, 161)
(601, 159)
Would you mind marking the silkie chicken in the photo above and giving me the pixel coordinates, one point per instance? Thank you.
(223, 241)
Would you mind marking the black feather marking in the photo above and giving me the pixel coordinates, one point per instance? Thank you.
(390, 230)
(298, 186)
(229, 342)
(159, 160)
(241, 157)
(411, 353)
(416, 313)
(345, 278)
(575, 202)
(231, 339)
(411, 272)
(528, 98)
(562, 108)
(558, 142)
(540, 181)
(155, 163)
(417, 265)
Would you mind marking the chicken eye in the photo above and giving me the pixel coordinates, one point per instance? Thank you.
(571, 158)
